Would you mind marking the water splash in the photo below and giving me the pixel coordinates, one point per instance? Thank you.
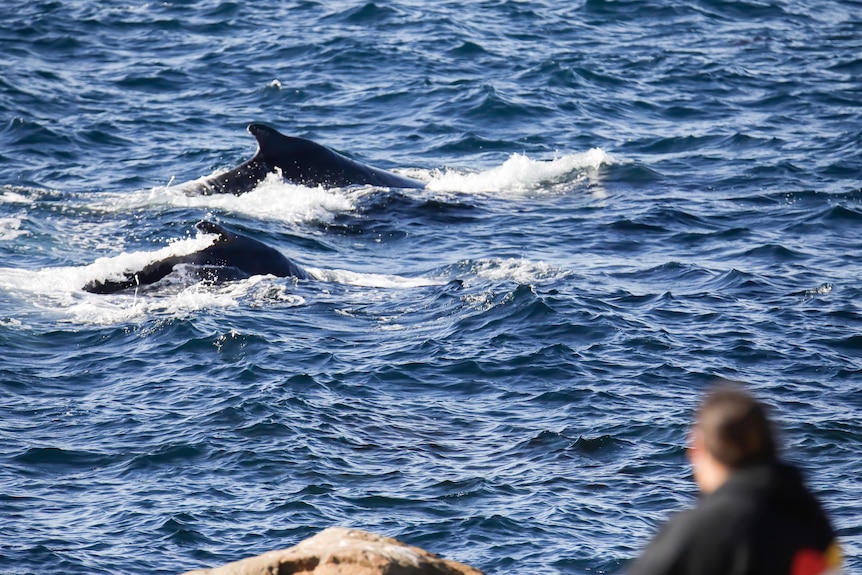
(521, 174)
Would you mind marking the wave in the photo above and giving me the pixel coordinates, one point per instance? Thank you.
(521, 174)
(18, 195)
(272, 200)
(276, 200)
(10, 228)
(373, 280)
(520, 270)
(58, 290)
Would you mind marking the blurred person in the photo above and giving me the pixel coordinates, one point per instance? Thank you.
(755, 515)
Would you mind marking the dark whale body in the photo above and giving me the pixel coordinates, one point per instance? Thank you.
(231, 257)
(299, 161)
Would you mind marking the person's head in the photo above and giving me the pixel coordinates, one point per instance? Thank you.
(731, 431)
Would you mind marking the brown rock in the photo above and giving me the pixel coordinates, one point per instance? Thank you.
(340, 551)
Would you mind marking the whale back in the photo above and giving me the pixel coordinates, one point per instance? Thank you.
(231, 257)
(247, 256)
(308, 163)
(302, 162)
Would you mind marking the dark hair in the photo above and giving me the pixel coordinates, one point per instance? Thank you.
(735, 427)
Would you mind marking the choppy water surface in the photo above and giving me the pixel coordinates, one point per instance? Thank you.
(626, 200)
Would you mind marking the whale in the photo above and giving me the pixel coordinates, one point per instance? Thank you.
(298, 161)
(231, 257)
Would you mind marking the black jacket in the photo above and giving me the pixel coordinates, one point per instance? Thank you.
(760, 521)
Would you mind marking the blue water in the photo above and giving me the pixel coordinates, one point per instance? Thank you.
(627, 199)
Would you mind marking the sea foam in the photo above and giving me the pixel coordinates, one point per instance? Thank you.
(521, 174)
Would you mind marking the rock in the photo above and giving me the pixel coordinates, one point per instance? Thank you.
(340, 551)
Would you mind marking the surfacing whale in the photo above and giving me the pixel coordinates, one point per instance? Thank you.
(299, 161)
(231, 257)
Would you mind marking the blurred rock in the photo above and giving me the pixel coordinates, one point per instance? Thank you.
(340, 551)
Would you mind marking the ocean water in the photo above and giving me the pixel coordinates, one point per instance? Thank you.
(626, 200)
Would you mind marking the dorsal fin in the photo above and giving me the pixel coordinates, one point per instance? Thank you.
(268, 139)
(214, 228)
(259, 131)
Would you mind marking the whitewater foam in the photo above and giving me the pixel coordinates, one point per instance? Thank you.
(520, 174)
(373, 280)
(60, 288)
(10, 228)
(521, 270)
(272, 199)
